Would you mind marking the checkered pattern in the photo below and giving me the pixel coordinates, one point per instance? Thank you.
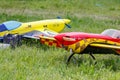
(50, 42)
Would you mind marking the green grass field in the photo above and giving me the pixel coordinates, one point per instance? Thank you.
(39, 62)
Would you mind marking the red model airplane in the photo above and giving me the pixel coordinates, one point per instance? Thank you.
(108, 42)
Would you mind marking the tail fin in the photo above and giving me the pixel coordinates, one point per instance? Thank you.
(49, 41)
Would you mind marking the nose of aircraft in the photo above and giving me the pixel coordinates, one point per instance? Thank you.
(66, 21)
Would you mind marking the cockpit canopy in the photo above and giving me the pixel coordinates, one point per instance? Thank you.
(9, 25)
(112, 33)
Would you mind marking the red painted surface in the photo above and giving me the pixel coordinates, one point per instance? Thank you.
(79, 36)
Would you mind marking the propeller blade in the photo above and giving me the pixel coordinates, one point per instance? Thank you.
(58, 17)
(68, 26)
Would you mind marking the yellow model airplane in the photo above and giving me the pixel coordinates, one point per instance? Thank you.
(10, 30)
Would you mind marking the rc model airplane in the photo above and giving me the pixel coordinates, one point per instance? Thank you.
(108, 42)
(11, 31)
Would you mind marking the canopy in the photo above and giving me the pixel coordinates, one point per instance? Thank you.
(9, 25)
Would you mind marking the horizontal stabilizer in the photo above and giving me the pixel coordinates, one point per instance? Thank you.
(50, 41)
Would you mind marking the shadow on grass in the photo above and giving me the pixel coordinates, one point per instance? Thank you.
(34, 42)
(113, 63)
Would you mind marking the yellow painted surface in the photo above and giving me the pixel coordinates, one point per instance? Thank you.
(81, 45)
(56, 25)
(106, 46)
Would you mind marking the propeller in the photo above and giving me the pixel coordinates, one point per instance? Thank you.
(58, 17)
(68, 26)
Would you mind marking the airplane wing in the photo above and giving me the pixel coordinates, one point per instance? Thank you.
(105, 46)
(36, 33)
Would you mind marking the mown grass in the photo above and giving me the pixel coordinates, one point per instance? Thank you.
(34, 61)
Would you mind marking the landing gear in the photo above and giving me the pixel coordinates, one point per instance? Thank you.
(72, 54)
(12, 39)
(93, 57)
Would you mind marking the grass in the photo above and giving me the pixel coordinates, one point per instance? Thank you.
(39, 62)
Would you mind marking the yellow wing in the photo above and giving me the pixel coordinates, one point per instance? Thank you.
(105, 46)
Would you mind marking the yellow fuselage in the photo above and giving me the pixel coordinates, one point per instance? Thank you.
(56, 25)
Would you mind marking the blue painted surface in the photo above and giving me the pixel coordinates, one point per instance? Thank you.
(1, 39)
(2, 28)
(10, 25)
